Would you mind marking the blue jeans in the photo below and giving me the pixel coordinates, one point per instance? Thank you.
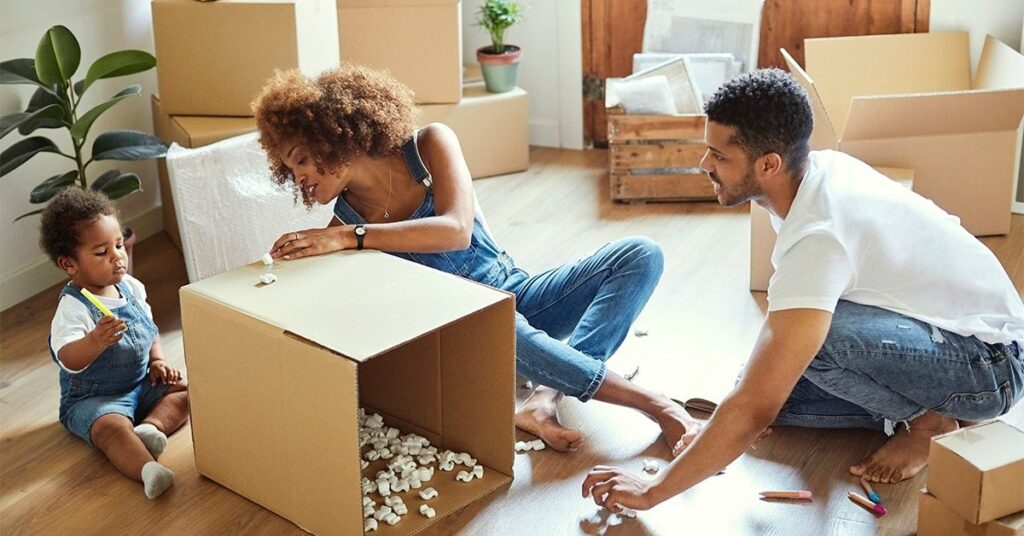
(571, 319)
(877, 368)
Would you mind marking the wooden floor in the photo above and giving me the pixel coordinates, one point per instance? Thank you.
(52, 483)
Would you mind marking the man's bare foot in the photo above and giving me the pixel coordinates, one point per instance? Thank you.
(906, 452)
(539, 416)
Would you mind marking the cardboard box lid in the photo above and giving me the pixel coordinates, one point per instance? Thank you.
(1000, 66)
(823, 136)
(986, 446)
(344, 4)
(847, 67)
(312, 299)
(196, 131)
(932, 114)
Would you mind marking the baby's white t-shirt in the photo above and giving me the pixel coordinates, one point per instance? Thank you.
(72, 320)
(853, 234)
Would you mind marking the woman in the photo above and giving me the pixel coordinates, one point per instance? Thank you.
(347, 137)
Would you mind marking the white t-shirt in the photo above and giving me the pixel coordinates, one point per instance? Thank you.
(72, 320)
(854, 234)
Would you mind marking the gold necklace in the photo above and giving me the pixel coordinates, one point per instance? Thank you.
(391, 184)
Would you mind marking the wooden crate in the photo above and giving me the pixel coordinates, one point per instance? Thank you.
(657, 157)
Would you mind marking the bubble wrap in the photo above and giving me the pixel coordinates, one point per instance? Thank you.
(229, 209)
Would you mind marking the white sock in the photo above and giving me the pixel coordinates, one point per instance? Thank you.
(156, 479)
(154, 439)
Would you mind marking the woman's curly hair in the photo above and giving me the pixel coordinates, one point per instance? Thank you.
(66, 215)
(345, 112)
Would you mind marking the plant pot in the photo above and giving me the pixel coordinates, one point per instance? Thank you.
(500, 70)
(129, 244)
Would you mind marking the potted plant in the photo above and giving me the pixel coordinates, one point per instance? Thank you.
(57, 103)
(499, 61)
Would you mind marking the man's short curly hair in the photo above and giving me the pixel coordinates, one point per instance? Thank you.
(345, 112)
(63, 219)
(770, 112)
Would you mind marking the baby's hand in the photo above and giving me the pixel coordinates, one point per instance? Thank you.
(108, 330)
(159, 370)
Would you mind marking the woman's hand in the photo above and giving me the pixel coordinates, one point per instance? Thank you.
(310, 242)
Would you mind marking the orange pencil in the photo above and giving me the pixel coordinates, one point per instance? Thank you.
(785, 495)
(863, 501)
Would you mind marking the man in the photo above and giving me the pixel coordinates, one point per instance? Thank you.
(883, 312)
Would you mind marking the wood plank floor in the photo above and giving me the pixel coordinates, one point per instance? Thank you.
(52, 483)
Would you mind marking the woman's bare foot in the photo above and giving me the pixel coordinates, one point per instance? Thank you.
(906, 452)
(679, 428)
(538, 415)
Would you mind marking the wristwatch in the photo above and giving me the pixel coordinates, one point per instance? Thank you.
(360, 232)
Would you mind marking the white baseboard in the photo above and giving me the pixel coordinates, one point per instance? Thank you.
(544, 132)
(42, 274)
(1018, 207)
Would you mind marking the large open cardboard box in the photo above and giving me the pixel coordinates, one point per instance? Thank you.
(763, 236)
(936, 519)
(191, 132)
(278, 372)
(978, 471)
(492, 128)
(214, 57)
(418, 41)
(908, 101)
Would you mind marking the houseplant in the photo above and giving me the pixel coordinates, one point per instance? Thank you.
(499, 61)
(57, 104)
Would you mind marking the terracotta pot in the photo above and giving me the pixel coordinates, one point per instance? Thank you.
(499, 70)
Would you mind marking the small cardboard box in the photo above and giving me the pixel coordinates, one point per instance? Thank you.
(191, 132)
(936, 519)
(908, 101)
(418, 41)
(214, 57)
(492, 128)
(762, 234)
(277, 374)
(978, 471)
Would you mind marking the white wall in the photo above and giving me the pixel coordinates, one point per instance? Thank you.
(551, 68)
(101, 26)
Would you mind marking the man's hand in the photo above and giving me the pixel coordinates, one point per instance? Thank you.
(108, 331)
(614, 488)
(160, 371)
(311, 242)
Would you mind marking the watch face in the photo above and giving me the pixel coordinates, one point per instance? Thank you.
(360, 231)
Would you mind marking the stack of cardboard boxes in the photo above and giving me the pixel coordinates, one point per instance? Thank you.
(214, 57)
(975, 483)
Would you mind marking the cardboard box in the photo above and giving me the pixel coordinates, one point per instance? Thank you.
(214, 57)
(191, 132)
(418, 41)
(762, 234)
(492, 128)
(908, 101)
(936, 519)
(978, 471)
(277, 374)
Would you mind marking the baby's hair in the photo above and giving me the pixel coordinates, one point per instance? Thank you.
(63, 219)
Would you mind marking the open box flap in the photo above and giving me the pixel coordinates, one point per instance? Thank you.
(824, 134)
(1000, 67)
(315, 299)
(934, 114)
(848, 67)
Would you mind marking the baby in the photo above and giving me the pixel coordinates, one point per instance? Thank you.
(116, 390)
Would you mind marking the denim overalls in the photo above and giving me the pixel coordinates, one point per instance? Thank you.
(116, 381)
(570, 319)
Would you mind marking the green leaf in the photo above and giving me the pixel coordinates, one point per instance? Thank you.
(48, 117)
(49, 188)
(41, 99)
(81, 129)
(27, 214)
(21, 71)
(105, 179)
(57, 56)
(120, 63)
(127, 145)
(21, 152)
(119, 187)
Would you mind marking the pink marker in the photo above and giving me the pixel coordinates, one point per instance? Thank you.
(863, 501)
(806, 495)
